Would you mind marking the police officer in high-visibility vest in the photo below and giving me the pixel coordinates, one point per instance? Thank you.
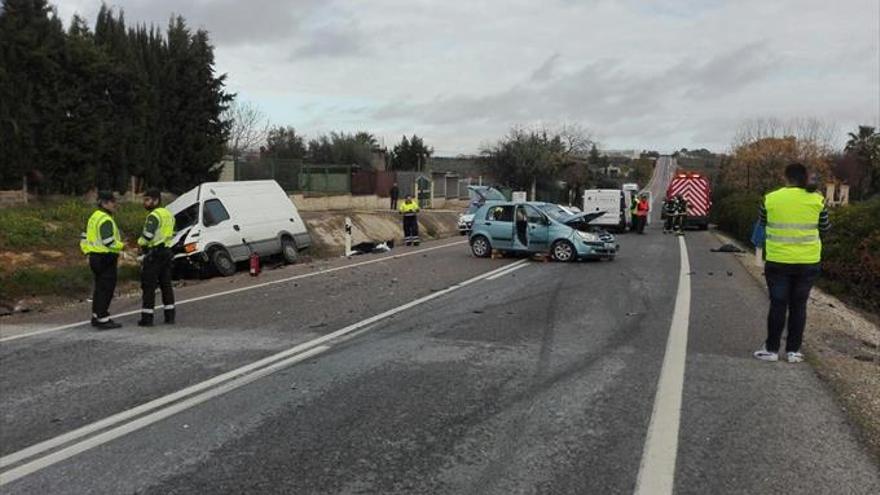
(155, 241)
(793, 218)
(102, 243)
(410, 211)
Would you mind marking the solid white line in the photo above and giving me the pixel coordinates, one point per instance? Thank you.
(657, 470)
(109, 435)
(234, 374)
(505, 272)
(240, 289)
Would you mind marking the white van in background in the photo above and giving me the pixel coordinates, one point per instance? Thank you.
(611, 201)
(219, 223)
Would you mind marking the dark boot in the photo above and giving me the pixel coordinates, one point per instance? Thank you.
(107, 325)
(146, 320)
(169, 317)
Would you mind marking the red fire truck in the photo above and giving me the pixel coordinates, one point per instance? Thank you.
(695, 189)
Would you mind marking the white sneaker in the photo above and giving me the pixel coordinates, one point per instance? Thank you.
(765, 355)
(795, 357)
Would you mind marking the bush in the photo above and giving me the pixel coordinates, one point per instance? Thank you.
(55, 224)
(851, 253)
(736, 214)
(850, 250)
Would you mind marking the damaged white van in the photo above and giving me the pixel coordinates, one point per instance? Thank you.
(221, 223)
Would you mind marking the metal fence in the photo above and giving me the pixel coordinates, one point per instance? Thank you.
(299, 177)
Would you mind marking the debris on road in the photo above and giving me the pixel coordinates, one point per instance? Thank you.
(727, 248)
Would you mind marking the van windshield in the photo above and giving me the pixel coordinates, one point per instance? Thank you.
(187, 217)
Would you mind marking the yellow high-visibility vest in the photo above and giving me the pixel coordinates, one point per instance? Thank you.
(412, 207)
(793, 226)
(164, 233)
(93, 243)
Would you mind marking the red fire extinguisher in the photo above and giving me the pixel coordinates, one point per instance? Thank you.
(254, 261)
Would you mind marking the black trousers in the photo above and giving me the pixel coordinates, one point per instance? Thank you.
(670, 220)
(103, 267)
(679, 222)
(641, 221)
(410, 228)
(393, 203)
(157, 272)
(789, 287)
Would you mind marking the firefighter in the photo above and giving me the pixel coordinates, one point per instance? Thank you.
(410, 211)
(793, 217)
(670, 208)
(102, 243)
(642, 210)
(681, 208)
(155, 241)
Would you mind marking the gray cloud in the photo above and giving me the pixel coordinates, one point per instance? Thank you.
(342, 40)
(546, 70)
(640, 74)
(598, 91)
(230, 22)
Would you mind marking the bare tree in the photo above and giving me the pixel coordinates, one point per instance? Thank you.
(249, 129)
(763, 147)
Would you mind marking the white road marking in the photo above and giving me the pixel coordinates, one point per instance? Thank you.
(506, 272)
(240, 289)
(273, 362)
(102, 438)
(657, 470)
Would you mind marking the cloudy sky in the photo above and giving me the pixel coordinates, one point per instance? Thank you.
(637, 74)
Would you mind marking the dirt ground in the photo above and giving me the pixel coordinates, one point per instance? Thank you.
(843, 346)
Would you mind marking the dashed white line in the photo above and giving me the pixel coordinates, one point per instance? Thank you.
(166, 406)
(240, 289)
(511, 269)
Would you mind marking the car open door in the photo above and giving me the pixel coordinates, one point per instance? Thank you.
(499, 220)
(539, 230)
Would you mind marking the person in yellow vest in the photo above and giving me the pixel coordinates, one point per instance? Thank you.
(155, 241)
(102, 243)
(410, 211)
(793, 218)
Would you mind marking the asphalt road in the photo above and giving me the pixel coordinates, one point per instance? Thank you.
(433, 372)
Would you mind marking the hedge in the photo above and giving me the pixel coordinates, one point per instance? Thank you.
(850, 250)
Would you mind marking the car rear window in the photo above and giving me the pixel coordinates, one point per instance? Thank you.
(500, 213)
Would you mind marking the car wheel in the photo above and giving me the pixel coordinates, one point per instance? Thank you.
(223, 262)
(481, 247)
(563, 251)
(288, 251)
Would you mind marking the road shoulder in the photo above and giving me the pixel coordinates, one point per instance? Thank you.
(843, 346)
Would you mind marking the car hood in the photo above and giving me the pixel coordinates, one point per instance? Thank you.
(581, 218)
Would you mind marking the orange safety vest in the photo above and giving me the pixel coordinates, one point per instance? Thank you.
(642, 208)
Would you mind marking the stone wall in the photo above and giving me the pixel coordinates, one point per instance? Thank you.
(361, 203)
(12, 198)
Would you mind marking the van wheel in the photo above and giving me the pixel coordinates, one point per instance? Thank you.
(481, 247)
(289, 251)
(562, 251)
(222, 262)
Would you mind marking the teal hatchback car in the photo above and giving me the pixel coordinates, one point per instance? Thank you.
(536, 227)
